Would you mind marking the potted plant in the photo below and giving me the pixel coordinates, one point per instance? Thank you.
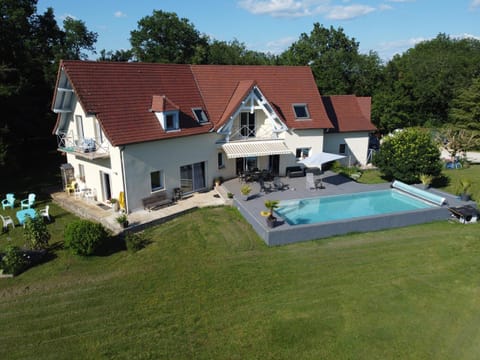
(270, 205)
(464, 186)
(426, 180)
(115, 205)
(246, 190)
(122, 220)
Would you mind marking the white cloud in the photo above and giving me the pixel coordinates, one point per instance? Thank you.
(279, 45)
(64, 16)
(400, 1)
(288, 8)
(299, 8)
(119, 14)
(349, 12)
(475, 4)
(383, 7)
(465, 36)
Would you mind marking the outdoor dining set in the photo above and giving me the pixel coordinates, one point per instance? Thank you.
(26, 210)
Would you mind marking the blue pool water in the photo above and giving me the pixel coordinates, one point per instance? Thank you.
(340, 207)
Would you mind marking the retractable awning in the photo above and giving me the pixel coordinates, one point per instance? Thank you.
(255, 148)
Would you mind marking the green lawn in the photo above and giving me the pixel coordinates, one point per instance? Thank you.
(208, 288)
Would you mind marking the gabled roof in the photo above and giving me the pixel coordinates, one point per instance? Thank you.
(349, 113)
(281, 85)
(125, 96)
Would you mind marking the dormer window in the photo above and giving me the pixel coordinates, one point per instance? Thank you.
(171, 120)
(301, 111)
(200, 115)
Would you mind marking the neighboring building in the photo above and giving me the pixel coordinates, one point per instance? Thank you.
(141, 129)
(350, 116)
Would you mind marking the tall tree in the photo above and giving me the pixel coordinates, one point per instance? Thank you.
(465, 109)
(424, 80)
(335, 61)
(163, 37)
(31, 45)
(77, 38)
(234, 53)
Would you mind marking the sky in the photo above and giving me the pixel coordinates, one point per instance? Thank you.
(387, 27)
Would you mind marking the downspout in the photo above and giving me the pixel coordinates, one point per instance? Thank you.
(124, 183)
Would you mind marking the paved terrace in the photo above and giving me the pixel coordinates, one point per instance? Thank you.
(283, 233)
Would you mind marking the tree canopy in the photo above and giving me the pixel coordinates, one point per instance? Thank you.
(163, 37)
(335, 60)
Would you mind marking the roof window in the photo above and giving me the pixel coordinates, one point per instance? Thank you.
(301, 111)
(200, 115)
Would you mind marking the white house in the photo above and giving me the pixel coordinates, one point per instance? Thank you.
(133, 130)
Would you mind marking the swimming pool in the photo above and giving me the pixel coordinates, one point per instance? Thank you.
(348, 206)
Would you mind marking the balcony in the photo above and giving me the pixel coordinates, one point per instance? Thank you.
(252, 133)
(89, 148)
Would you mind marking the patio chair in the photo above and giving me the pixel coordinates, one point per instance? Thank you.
(28, 202)
(9, 201)
(279, 185)
(44, 212)
(263, 186)
(70, 189)
(310, 181)
(7, 220)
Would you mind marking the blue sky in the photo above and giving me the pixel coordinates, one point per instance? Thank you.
(385, 26)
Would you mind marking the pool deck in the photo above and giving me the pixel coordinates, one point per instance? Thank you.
(334, 184)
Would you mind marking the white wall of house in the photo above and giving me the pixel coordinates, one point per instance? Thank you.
(296, 139)
(356, 146)
(166, 156)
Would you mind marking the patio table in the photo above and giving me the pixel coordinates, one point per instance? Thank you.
(22, 215)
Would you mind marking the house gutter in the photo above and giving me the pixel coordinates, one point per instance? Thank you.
(124, 181)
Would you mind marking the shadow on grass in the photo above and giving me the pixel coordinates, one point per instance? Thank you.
(441, 181)
(112, 245)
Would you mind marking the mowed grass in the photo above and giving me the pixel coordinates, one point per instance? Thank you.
(208, 288)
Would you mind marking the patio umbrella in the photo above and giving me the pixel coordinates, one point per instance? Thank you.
(318, 159)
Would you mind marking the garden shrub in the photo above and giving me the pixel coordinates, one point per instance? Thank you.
(14, 260)
(36, 233)
(84, 237)
(408, 154)
(135, 241)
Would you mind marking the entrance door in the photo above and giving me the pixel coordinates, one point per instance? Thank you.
(106, 186)
(274, 164)
(192, 177)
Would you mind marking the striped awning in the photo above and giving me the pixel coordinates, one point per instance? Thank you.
(255, 148)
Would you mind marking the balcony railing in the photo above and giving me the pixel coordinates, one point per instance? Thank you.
(90, 148)
(251, 133)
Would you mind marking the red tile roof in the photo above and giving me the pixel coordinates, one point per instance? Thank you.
(122, 95)
(349, 113)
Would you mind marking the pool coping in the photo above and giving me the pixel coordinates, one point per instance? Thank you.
(284, 233)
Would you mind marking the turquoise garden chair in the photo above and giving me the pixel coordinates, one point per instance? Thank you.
(9, 201)
(27, 203)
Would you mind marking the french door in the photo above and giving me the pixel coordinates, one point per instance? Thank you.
(192, 177)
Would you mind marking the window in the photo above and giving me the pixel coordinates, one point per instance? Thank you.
(98, 132)
(257, 94)
(251, 163)
(247, 124)
(171, 120)
(200, 115)
(81, 172)
(156, 180)
(341, 149)
(220, 162)
(79, 122)
(301, 111)
(302, 153)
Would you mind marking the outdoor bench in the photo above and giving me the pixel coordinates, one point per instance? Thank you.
(156, 200)
(294, 171)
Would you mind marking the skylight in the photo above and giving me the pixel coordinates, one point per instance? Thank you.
(200, 115)
(301, 111)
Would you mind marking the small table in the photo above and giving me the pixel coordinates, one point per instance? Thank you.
(22, 215)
